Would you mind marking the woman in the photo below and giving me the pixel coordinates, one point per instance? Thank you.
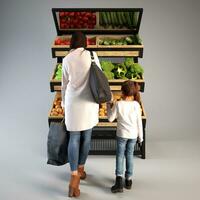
(81, 112)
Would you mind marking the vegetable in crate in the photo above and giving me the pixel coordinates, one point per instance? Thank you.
(128, 62)
(77, 20)
(109, 75)
(135, 71)
(120, 71)
(129, 40)
(107, 68)
(58, 74)
(62, 41)
(121, 41)
(107, 65)
(138, 68)
(57, 110)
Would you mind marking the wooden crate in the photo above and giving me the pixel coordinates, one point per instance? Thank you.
(115, 84)
(103, 120)
(62, 50)
(104, 134)
(131, 50)
(110, 28)
(101, 50)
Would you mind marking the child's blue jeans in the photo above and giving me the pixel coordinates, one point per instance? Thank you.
(78, 148)
(125, 149)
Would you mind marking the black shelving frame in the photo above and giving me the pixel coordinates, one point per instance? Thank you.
(101, 133)
(134, 30)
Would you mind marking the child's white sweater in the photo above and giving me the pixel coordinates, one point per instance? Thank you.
(129, 120)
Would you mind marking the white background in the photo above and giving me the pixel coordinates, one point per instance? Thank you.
(170, 32)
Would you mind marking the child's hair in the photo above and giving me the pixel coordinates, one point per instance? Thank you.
(130, 88)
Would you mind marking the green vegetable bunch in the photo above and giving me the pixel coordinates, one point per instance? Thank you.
(58, 74)
(107, 67)
(134, 70)
(126, 70)
(129, 40)
(120, 71)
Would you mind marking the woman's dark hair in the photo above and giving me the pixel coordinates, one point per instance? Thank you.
(78, 40)
(130, 88)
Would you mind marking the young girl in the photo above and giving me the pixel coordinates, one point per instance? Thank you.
(129, 128)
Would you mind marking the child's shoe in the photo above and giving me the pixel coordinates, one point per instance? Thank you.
(118, 187)
(128, 184)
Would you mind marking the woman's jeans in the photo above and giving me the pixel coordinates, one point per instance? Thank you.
(78, 148)
(125, 149)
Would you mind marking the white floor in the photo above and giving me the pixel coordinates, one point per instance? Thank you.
(171, 100)
(171, 171)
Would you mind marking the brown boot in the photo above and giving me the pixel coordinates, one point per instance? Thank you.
(82, 173)
(74, 190)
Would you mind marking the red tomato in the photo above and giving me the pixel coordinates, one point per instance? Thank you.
(62, 25)
(66, 13)
(58, 41)
(62, 20)
(88, 14)
(85, 19)
(79, 26)
(61, 14)
(94, 17)
(93, 22)
(71, 14)
(75, 21)
(90, 26)
(85, 25)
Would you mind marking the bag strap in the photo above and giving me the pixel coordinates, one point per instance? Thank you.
(92, 56)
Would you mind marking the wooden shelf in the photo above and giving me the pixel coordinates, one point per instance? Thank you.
(115, 84)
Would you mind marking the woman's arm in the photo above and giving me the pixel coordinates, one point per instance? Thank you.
(112, 111)
(65, 80)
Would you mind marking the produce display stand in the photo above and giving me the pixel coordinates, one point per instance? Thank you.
(104, 134)
(115, 84)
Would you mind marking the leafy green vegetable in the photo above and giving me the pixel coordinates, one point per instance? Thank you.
(138, 68)
(128, 62)
(109, 75)
(126, 70)
(129, 40)
(120, 71)
(135, 71)
(107, 65)
(58, 73)
(130, 75)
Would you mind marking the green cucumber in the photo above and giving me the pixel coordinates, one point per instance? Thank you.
(128, 19)
(119, 18)
(108, 18)
(131, 18)
(123, 18)
(135, 19)
(100, 19)
(112, 19)
(104, 17)
(115, 19)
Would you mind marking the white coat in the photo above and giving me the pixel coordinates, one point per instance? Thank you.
(81, 112)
